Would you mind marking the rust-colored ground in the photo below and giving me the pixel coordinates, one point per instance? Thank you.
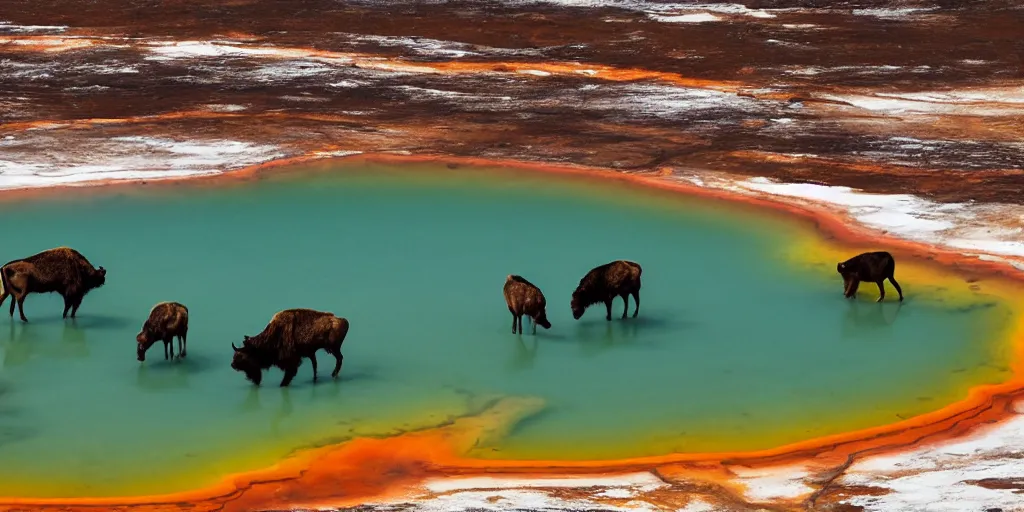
(609, 87)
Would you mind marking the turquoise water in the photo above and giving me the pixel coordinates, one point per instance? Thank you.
(736, 346)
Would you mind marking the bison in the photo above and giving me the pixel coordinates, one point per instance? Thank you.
(291, 335)
(524, 298)
(875, 267)
(602, 284)
(62, 270)
(166, 320)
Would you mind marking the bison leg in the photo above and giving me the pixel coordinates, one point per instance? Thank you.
(625, 304)
(75, 305)
(289, 374)
(636, 301)
(312, 361)
(519, 322)
(881, 290)
(891, 280)
(608, 306)
(21, 308)
(851, 290)
(338, 359)
(183, 340)
(14, 302)
(514, 319)
(67, 306)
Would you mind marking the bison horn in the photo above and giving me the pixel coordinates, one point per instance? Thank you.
(234, 347)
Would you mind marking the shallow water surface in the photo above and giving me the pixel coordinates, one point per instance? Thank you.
(737, 347)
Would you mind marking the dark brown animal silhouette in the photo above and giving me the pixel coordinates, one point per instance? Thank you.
(602, 284)
(291, 335)
(166, 320)
(524, 298)
(62, 270)
(874, 267)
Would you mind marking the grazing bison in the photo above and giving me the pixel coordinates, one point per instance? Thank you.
(524, 298)
(290, 336)
(875, 267)
(62, 270)
(166, 320)
(602, 284)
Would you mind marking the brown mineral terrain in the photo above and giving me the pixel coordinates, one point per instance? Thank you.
(901, 118)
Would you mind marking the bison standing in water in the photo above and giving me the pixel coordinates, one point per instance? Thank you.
(602, 284)
(524, 298)
(290, 336)
(62, 270)
(874, 267)
(166, 320)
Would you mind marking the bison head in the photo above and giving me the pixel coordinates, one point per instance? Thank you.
(577, 305)
(98, 278)
(851, 279)
(542, 320)
(144, 342)
(244, 362)
(845, 270)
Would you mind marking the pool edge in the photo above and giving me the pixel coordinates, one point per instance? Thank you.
(986, 405)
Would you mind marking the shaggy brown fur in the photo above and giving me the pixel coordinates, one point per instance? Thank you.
(874, 267)
(524, 298)
(62, 270)
(291, 335)
(602, 284)
(166, 320)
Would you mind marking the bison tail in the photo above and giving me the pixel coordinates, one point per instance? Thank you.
(890, 266)
(341, 325)
(5, 281)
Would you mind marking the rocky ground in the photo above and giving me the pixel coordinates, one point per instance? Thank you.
(908, 116)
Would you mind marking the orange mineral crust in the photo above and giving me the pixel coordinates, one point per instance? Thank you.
(395, 468)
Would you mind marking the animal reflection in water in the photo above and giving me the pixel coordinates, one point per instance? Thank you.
(863, 317)
(524, 354)
(258, 403)
(597, 338)
(163, 377)
(15, 350)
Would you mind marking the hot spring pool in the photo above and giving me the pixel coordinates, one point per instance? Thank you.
(738, 346)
